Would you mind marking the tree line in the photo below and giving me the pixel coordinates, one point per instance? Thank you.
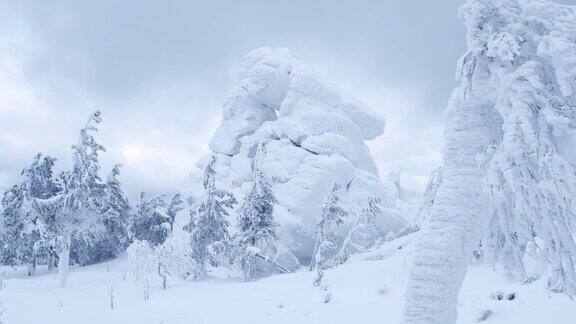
(76, 217)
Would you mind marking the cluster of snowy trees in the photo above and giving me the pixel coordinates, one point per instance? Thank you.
(73, 217)
(210, 243)
(250, 244)
(76, 217)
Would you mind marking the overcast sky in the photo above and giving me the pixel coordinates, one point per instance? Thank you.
(159, 70)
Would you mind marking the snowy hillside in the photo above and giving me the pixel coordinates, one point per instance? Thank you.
(364, 290)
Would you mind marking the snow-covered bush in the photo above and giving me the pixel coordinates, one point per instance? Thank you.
(172, 259)
(142, 265)
(175, 260)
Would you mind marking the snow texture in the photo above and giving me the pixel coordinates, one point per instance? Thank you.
(362, 292)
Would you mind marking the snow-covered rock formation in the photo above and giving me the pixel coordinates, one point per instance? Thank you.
(305, 135)
(509, 159)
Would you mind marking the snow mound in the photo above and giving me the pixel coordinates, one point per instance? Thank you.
(311, 135)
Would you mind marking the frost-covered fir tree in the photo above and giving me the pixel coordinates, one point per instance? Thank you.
(175, 206)
(80, 231)
(364, 232)
(99, 209)
(208, 222)
(18, 231)
(116, 214)
(84, 196)
(256, 228)
(427, 202)
(151, 223)
(333, 214)
(508, 169)
(531, 172)
(25, 220)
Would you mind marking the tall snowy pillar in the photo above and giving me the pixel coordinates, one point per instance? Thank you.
(455, 225)
(459, 216)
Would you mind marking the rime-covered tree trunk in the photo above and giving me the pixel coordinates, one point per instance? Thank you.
(32, 267)
(63, 259)
(444, 246)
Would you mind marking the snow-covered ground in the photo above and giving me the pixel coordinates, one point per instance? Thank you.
(369, 289)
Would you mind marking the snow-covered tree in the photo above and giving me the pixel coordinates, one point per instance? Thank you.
(531, 173)
(151, 222)
(427, 202)
(256, 228)
(38, 178)
(17, 245)
(80, 229)
(25, 234)
(116, 214)
(333, 214)
(208, 222)
(364, 232)
(175, 206)
(508, 169)
(154, 217)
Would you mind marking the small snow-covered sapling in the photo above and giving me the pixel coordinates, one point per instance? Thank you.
(111, 294)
